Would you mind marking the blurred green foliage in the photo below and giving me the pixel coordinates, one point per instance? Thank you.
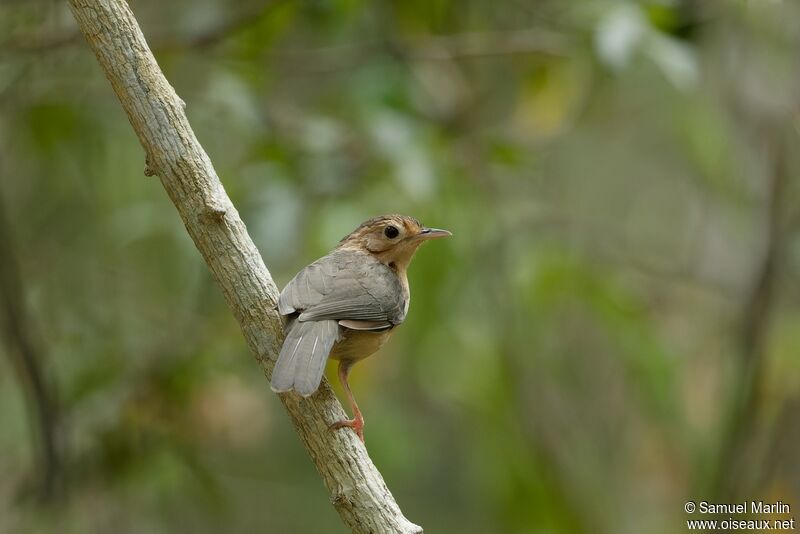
(611, 332)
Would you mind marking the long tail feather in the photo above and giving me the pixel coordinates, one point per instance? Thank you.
(303, 356)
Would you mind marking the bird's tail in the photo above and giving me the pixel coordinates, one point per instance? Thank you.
(303, 356)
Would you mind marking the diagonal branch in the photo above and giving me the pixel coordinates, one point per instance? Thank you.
(155, 111)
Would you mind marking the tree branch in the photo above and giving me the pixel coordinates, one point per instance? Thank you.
(155, 111)
(473, 45)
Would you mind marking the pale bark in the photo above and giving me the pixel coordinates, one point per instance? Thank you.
(155, 111)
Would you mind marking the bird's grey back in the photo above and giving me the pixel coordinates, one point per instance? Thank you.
(345, 284)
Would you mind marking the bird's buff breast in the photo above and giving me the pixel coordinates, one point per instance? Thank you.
(358, 344)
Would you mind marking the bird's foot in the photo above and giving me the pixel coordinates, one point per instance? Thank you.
(356, 424)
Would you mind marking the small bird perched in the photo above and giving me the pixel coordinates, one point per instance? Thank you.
(345, 305)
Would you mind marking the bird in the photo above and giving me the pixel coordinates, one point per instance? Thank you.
(346, 305)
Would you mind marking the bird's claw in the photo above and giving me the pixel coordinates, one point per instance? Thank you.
(356, 424)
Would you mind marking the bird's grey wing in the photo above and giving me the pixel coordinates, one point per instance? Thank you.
(345, 285)
(365, 325)
(307, 287)
(359, 288)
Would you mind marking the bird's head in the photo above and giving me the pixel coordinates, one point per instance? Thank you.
(393, 239)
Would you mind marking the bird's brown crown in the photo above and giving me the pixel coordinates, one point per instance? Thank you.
(392, 239)
(404, 222)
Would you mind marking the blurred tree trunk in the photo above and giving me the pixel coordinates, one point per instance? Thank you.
(155, 111)
(27, 362)
(736, 465)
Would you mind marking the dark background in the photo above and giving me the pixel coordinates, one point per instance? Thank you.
(613, 329)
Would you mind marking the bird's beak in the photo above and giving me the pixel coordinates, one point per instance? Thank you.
(433, 233)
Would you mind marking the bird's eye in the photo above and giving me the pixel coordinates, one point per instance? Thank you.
(391, 232)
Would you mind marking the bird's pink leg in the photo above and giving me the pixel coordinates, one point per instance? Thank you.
(357, 422)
